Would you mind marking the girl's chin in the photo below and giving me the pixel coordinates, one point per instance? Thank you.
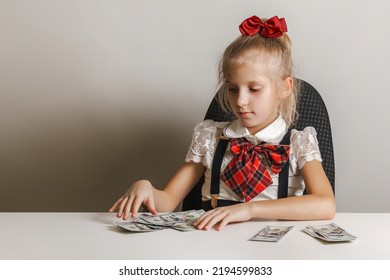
(252, 128)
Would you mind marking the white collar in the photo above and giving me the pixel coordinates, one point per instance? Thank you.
(273, 133)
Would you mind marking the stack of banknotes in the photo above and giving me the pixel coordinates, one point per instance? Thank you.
(329, 232)
(145, 222)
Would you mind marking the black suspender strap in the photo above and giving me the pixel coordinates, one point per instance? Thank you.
(216, 170)
(283, 175)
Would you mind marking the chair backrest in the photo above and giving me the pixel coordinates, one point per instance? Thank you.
(312, 112)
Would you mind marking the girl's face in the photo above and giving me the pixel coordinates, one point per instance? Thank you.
(252, 96)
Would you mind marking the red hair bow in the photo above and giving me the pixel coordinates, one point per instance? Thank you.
(272, 28)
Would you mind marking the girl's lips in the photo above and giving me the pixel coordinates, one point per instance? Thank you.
(244, 114)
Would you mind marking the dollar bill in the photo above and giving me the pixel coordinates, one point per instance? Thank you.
(329, 232)
(271, 233)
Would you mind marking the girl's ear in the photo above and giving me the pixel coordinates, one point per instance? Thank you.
(287, 87)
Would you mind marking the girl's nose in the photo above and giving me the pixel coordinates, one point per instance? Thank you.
(242, 98)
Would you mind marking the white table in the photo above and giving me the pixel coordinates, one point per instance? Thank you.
(93, 236)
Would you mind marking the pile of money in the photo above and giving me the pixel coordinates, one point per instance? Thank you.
(271, 233)
(329, 232)
(181, 221)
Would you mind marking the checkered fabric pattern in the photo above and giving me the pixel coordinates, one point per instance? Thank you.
(246, 175)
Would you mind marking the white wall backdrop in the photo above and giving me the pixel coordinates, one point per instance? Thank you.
(95, 94)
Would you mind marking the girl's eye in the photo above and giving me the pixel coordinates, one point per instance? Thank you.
(254, 89)
(232, 90)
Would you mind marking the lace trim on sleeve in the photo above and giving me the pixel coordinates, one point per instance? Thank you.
(304, 145)
(203, 142)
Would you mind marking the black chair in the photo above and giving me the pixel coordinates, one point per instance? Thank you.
(312, 112)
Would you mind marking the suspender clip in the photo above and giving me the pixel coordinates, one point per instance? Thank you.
(214, 199)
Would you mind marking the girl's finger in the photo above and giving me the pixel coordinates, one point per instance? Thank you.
(135, 206)
(215, 219)
(121, 206)
(205, 223)
(226, 220)
(115, 205)
(202, 218)
(150, 205)
(127, 208)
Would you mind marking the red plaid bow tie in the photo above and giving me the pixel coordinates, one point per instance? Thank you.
(245, 174)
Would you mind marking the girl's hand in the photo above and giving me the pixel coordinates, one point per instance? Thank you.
(141, 192)
(224, 215)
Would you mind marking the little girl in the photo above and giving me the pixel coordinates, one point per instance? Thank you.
(258, 87)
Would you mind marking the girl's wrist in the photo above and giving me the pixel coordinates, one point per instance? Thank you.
(251, 209)
(254, 209)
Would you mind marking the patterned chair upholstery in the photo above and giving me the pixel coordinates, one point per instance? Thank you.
(312, 112)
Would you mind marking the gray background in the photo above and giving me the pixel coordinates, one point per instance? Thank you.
(96, 94)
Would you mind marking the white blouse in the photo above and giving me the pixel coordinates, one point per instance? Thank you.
(303, 148)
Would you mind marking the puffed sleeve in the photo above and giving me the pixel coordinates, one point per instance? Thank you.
(203, 142)
(304, 145)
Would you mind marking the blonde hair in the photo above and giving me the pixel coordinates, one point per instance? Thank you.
(275, 54)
